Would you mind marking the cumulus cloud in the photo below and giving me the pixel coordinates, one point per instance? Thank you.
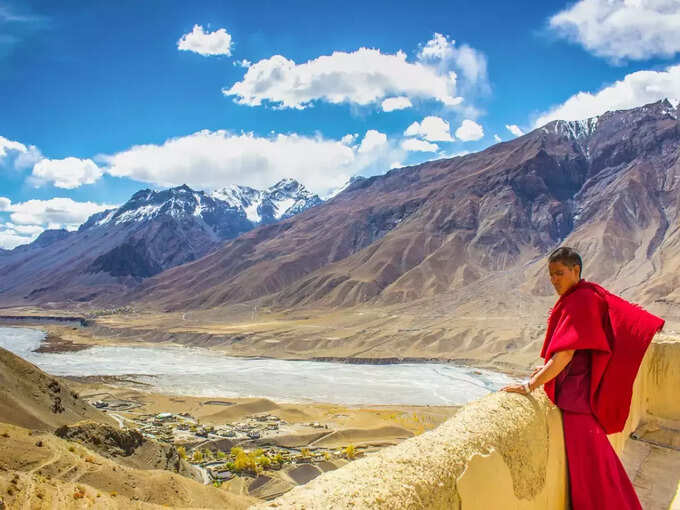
(365, 76)
(622, 29)
(514, 129)
(396, 103)
(497, 138)
(66, 173)
(17, 155)
(469, 131)
(372, 140)
(415, 145)
(431, 128)
(210, 159)
(30, 218)
(206, 43)
(10, 238)
(635, 89)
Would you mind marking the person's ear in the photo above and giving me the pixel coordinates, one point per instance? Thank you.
(579, 270)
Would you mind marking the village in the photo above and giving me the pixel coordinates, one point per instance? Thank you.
(259, 451)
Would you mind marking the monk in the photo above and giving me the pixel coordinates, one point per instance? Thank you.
(593, 348)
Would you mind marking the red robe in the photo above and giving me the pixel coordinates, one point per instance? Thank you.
(610, 337)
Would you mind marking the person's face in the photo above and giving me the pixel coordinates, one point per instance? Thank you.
(563, 277)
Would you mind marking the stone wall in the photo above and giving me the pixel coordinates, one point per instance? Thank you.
(502, 451)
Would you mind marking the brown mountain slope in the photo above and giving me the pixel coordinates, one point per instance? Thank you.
(609, 186)
(44, 471)
(31, 398)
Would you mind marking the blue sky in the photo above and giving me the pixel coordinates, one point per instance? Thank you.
(100, 99)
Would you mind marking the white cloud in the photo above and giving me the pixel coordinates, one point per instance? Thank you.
(30, 218)
(243, 63)
(18, 155)
(396, 103)
(67, 173)
(622, 29)
(372, 140)
(361, 77)
(497, 138)
(514, 129)
(470, 63)
(210, 159)
(636, 89)
(396, 164)
(64, 212)
(7, 145)
(29, 230)
(10, 239)
(432, 128)
(349, 138)
(469, 131)
(415, 145)
(206, 43)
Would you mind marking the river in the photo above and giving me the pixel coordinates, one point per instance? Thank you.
(203, 372)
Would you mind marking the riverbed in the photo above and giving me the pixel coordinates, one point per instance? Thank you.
(208, 373)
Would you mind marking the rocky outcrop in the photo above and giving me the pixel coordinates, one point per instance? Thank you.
(107, 440)
(126, 446)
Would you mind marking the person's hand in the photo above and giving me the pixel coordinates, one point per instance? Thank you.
(515, 388)
(537, 369)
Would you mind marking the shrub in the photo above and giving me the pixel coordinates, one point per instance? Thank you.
(245, 462)
(263, 461)
(182, 451)
(350, 452)
(197, 456)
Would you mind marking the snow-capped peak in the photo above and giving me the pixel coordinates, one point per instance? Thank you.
(234, 208)
(576, 129)
(339, 189)
(285, 198)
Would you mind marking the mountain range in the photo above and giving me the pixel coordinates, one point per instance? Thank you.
(476, 228)
(155, 230)
(468, 232)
